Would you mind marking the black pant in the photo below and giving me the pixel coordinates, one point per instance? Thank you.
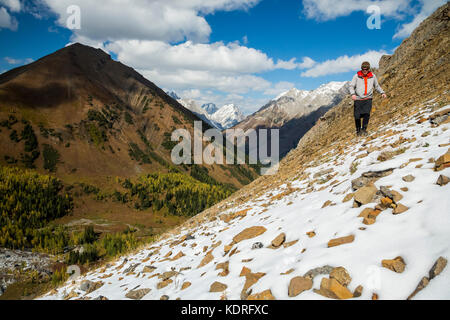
(362, 112)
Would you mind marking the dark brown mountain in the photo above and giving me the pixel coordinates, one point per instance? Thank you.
(102, 118)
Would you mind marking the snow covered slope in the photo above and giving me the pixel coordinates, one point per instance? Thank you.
(277, 244)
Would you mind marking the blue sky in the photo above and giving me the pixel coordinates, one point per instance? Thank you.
(222, 51)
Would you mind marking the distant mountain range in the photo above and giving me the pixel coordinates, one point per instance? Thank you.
(221, 118)
(295, 112)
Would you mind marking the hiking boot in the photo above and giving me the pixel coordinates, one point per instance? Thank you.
(358, 133)
(364, 133)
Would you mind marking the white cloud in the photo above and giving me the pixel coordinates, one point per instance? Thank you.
(13, 5)
(13, 61)
(306, 63)
(216, 57)
(324, 10)
(168, 20)
(344, 64)
(6, 21)
(179, 79)
(279, 88)
(428, 7)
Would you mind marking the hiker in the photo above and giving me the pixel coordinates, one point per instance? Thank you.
(361, 89)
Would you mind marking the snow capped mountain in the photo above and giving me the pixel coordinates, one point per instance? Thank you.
(222, 119)
(173, 95)
(228, 116)
(297, 103)
(210, 108)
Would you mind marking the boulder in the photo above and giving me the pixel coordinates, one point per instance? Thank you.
(400, 208)
(137, 294)
(408, 178)
(218, 287)
(164, 297)
(186, 285)
(442, 180)
(257, 245)
(397, 264)
(331, 288)
(311, 274)
(341, 275)
(341, 241)
(265, 295)
(279, 240)
(365, 195)
(358, 291)
(249, 233)
(437, 268)
(298, 285)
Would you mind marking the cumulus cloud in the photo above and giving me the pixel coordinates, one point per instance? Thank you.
(6, 21)
(428, 7)
(323, 10)
(279, 88)
(344, 64)
(12, 5)
(217, 57)
(169, 20)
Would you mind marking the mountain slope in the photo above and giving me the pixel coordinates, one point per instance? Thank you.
(384, 198)
(102, 117)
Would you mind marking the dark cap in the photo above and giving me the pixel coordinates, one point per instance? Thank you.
(365, 65)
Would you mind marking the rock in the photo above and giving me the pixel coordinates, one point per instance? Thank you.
(89, 286)
(244, 272)
(397, 196)
(148, 269)
(400, 208)
(422, 284)
(331, 288)
(218, 287)
(374, 296)
(164, 298)
(71, 295)
(178, 256)
(86, 285)
(386, 192)
(386, 202)
(250, 279)
(289, 244)
(207, 259)
(409, 178)
(348, 197)
(311, 234)
(442, 180)
(298, 285)
(397, 265)
(167, 275)
(365, 195)
(227, 248)
(186, 285)
(225, 268)
(249, 233)
(327, 204)
(257, 245)
(368, 177)
(442, 162)
(101, 298)
(311, 274)
(137, 294)
(265, 295)
(340, 241)
(341, 275)
(369, 221)
(358, 291)
(164, 283)
(279, 240)
(437, 268)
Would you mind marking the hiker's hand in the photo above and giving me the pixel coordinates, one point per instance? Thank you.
(384, 96)
(354, 97)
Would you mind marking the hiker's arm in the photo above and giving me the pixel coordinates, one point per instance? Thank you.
(352, 86)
